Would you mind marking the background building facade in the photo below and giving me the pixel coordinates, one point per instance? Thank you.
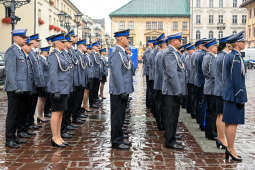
(250, 25)
(147, 19)
(216, 18)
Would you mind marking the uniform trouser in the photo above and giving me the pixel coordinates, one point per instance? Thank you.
(195, 100)
(47, 105)
(118, 110)
(150, 99)
(96, 83)
(66, 119)
(158, 109)
(171, 110)
(91, 87)
(31, 112)
(201, 107)
(147, 91)
(211, 116)
(78, 101)
(189, 101)
(16, 113)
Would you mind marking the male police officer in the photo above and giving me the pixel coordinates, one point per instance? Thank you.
(16, 85)
(172, 88)
(120, 86)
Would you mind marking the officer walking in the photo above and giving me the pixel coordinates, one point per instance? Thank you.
(173, 88)
(120, 86)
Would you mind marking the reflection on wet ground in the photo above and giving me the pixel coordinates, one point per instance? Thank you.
(91, 149)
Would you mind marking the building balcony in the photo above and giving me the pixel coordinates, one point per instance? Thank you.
(221, 26)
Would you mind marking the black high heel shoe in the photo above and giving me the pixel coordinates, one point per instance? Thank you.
(220, 145)
(40, 120)
(88, 110)
(57, 145)
(228, 154)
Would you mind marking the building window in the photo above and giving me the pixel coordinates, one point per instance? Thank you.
(175, 26)
(131, 25)
(7, 12)
(154, 25)
(198, 19)
(210, 34)
(148, 38)
(154, 37)
(234, 32)
(220, 3)
(198, 35)
(210, 19)
(234, 19)
(148, 25)
(244, 19)
(184, 26)
(198, 3)
(160, 25)
(210, 3)
(220, 19)
(131, 41)
(185, 40)
(250, 13)
(234, 3)
(220, 34)
(122, 25)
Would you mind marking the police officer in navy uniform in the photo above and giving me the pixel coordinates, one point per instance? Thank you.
(146, 56)
(223, 50)
(158, 84)
(43, 62)
(209, 74)
(104, 72)
(235, 95)
(173, 88)
(16, 85)
(59, 87)
(120, 86)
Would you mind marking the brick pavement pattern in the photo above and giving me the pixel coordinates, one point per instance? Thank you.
(91, 149)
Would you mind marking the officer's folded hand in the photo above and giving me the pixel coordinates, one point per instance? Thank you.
(239, 105)
(18, 91)
(57, 95)
(124, 96)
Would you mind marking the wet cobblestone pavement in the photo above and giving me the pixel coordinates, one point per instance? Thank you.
(91, 149)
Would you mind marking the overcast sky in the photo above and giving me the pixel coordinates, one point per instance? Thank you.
(100, 9)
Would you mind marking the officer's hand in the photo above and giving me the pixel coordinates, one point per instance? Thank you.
(18, 91)
(57, 95)
(239, 105)
(124, 96)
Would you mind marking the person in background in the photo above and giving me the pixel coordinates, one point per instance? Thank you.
(235, 95)
(43, 62)
(59, 87)
(104, 73)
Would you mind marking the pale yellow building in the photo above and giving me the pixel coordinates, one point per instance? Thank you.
(147, 19)
(39, 16)
(250, 24)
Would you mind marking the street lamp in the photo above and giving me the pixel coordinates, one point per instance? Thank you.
(13, 4)
(78, 18)
(64, 20)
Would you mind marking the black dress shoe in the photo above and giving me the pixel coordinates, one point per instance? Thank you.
(57, 145)
(220, 145)
(211, 138)
(20, 141)
(78, 121)
(94, 106)
(69, 127)
(40, 120)
(127, 143)
(30, 133)
(82, 110)
(178, 137)
(175, 146)
(12, 144)
(24, 135)
(83, 116)
(120, 146)
(228, 155)
(66, 135)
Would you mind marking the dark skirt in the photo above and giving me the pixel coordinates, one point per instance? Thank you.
(232, 114)
(58, 104)
(104, 79)
(219, 105)
(42, 92)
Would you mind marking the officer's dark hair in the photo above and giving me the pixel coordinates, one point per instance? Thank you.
(221, 46)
